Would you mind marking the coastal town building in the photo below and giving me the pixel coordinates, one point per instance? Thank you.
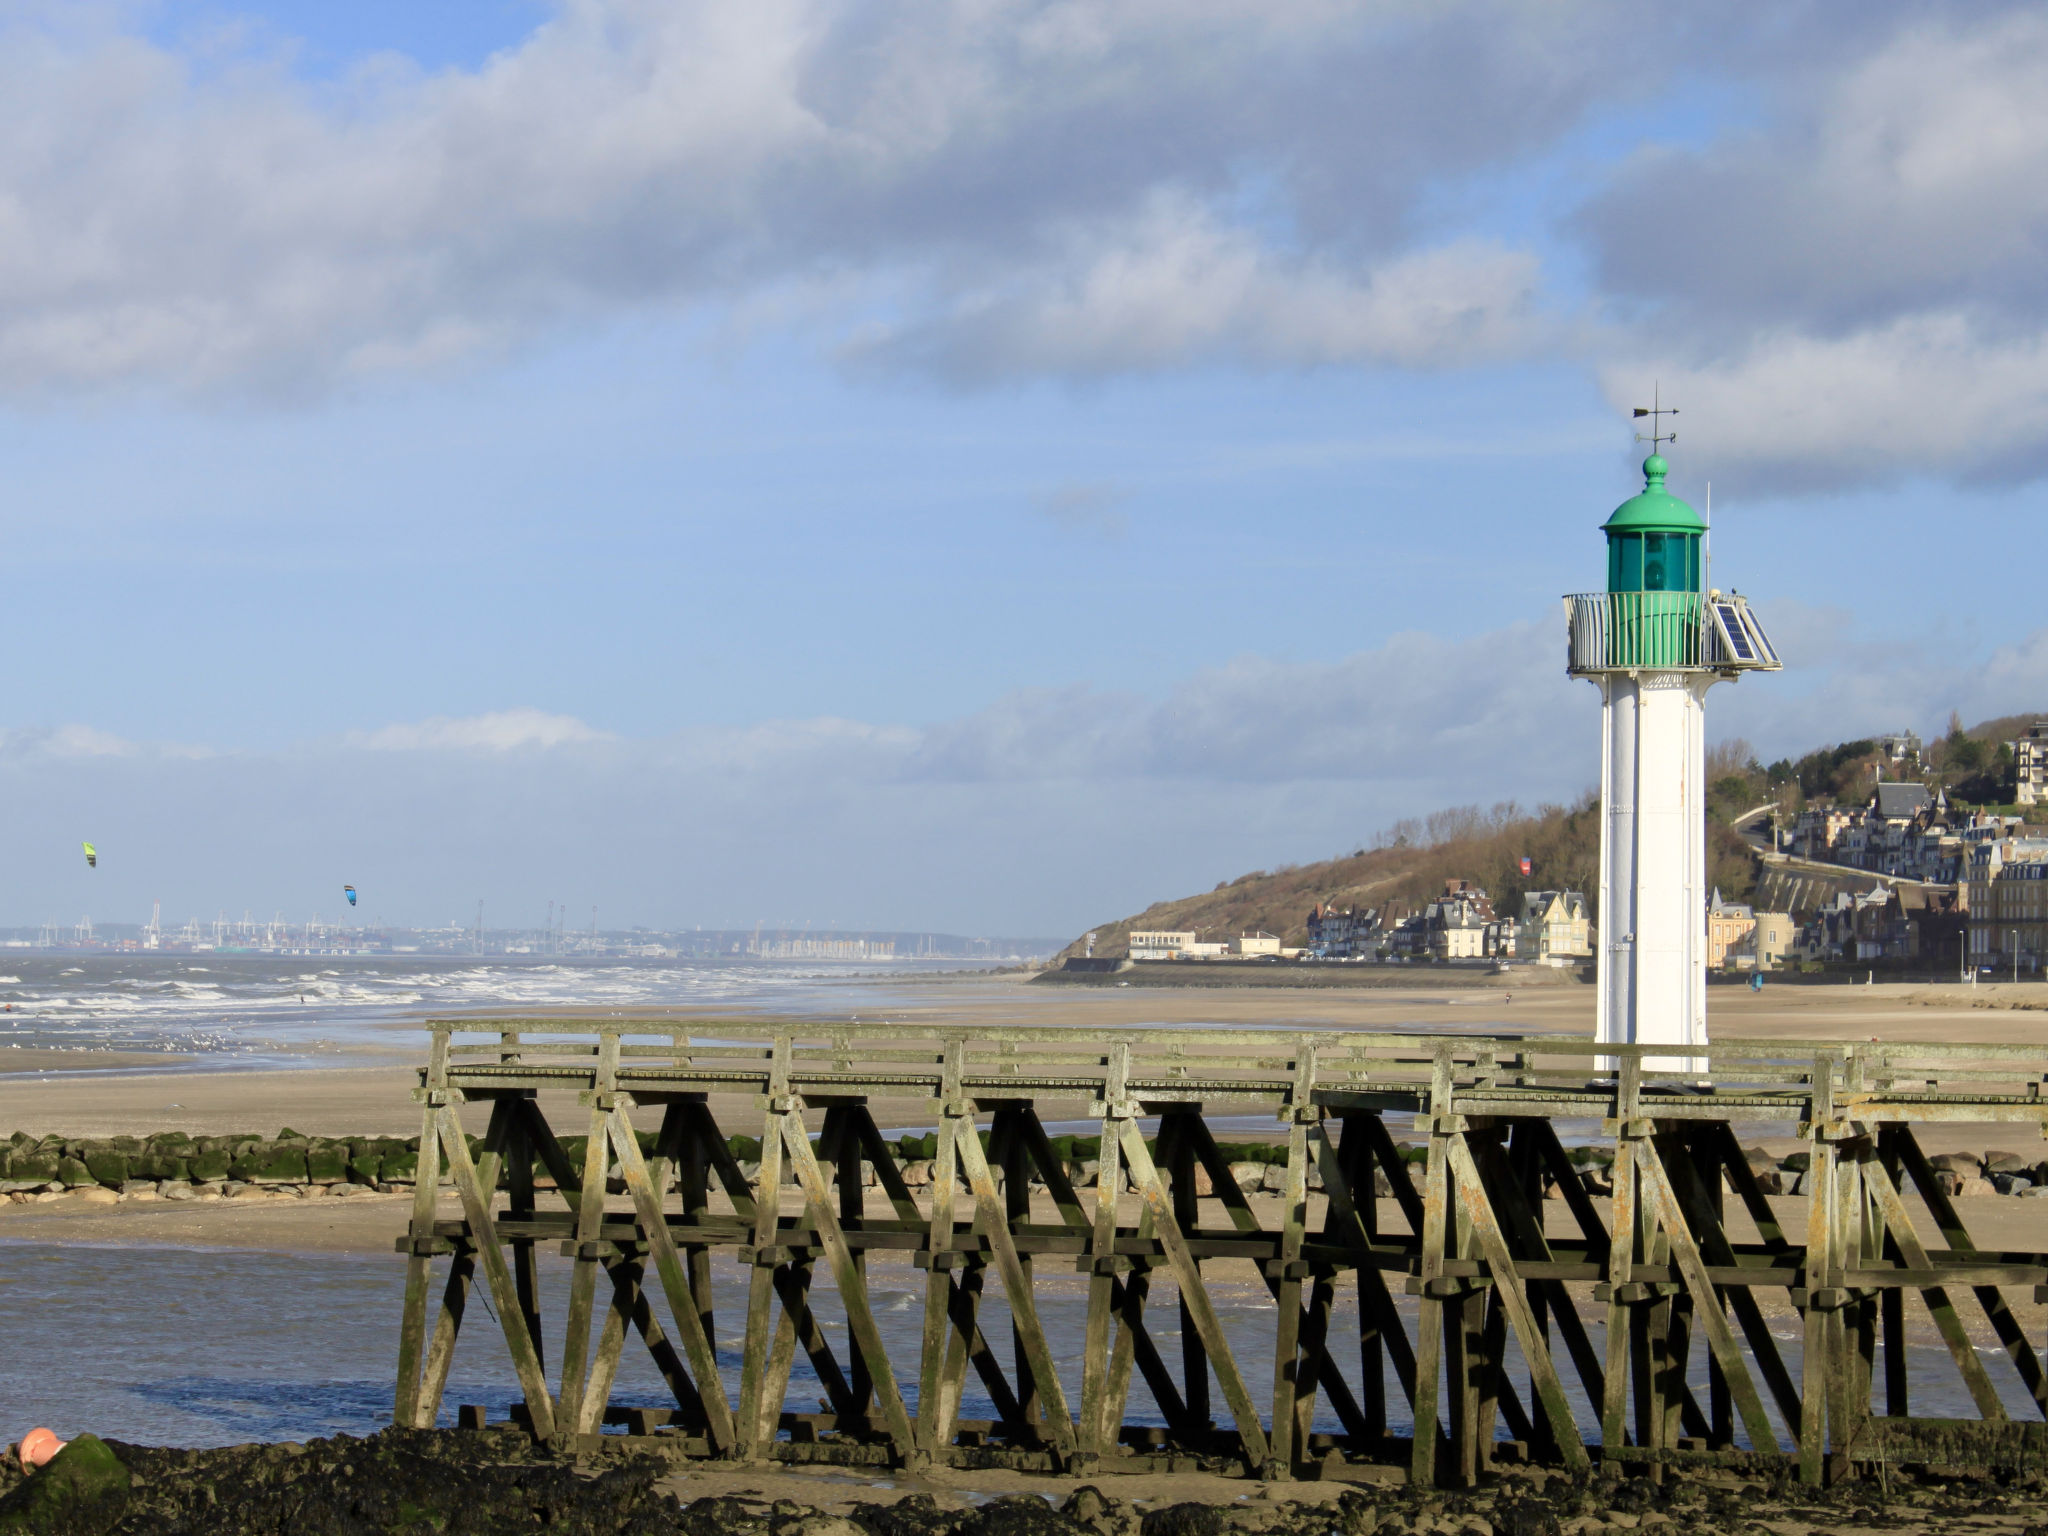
(2008, 904)
(1462, 925)
(1343, 933)
(1554, 928)
(2030, 764)
(1256, 945)
(1728, 924)
(1740, 938)
(1160, 943)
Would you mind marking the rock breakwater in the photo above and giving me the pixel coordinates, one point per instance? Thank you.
(175, 1166)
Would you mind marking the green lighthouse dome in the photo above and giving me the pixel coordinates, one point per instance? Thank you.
(1653, 538)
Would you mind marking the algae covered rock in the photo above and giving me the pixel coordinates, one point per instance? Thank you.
(400, 1166)
(327, 1162)
(271, 1163)
(37, 1167)
(83, 1489)
(160, 1165)
(72, 1171)
(107, 1166)
(209, 1167)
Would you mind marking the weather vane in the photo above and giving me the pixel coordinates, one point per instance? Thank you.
(1656, 410)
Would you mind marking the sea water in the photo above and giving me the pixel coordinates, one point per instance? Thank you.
(199, 1346)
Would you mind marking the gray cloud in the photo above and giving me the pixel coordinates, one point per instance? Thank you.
(1032, 185)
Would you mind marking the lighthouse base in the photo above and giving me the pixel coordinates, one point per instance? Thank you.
(1653, 941)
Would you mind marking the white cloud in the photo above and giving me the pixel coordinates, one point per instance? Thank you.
(78, 742)
(1924, 394)
(1854, 290)
(506, 730)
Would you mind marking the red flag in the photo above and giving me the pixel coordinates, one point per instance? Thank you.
(1525, 866)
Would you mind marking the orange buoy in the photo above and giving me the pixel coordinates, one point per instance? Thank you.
(37, 1447)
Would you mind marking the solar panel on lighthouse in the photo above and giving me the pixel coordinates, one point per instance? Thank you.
(1734, 635)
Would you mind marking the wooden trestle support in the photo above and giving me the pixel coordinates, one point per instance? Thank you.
(1618, 1301)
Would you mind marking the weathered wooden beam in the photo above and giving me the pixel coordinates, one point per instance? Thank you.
(1961, 1251)
(476, 1204)
(1195, 1296)
(419, 1264)
(995, 1224)
(1515, 1305)
(1976, 1381)
(860, 1315)
(675, 1282)
(447, 1326)
(1661, 1200)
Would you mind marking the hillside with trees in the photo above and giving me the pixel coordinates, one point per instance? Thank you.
(1411, 861)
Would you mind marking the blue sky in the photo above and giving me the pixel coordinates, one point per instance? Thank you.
(980, 468)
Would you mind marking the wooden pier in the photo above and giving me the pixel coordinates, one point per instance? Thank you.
(1604, 1318)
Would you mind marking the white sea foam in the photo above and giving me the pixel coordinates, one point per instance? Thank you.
(257, 1005)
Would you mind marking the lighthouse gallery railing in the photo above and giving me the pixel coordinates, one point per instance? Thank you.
(1611, 631)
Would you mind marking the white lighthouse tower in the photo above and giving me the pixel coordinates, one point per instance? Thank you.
(1654, 643)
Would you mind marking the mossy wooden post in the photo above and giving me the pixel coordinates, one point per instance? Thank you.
(771, 1332)
(421, 1244)
(587, 1249)
(934, 1431)
(968, 1346)
(1431, 1286)
(1817, 1366)
(1104, 1268)
(1624, 1242)
(1289, 1385)
(1913, 1253)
